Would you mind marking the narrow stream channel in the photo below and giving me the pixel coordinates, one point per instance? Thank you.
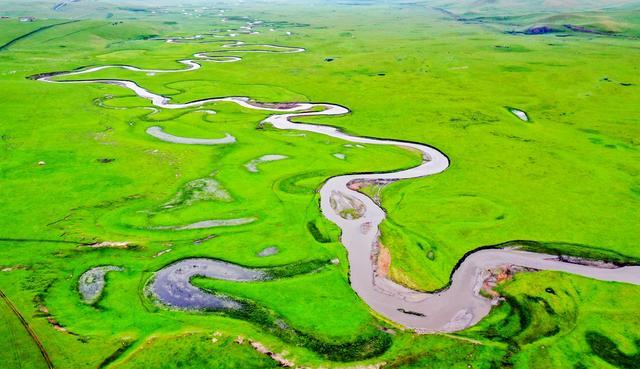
(453, 309)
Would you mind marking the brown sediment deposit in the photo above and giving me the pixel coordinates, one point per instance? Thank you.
(111, 244)
(383, 261)
(282, 361)
(495, 276)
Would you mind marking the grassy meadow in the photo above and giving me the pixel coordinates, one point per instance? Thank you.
(406, 71)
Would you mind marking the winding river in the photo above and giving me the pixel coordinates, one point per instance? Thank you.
(453, 309)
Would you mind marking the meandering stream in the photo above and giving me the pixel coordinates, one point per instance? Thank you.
(453, 309)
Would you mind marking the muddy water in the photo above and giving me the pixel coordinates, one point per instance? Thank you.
(268, 251)
(252, 166)
(172, 284)
(460, 305)
(158, 133)
(212, 223)
(196, 62)
(453, 309)
(520, 114)
(92, 282)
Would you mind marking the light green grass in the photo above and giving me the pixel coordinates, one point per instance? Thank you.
(204, 351)
(406, 72)
(21, 351)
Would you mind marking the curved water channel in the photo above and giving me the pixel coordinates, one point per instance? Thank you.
(453, 309)
(172, 284)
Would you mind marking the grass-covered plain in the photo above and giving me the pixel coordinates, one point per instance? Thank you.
(407, 72)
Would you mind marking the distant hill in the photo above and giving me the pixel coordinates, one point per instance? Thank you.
(508, 6)
(535, 17)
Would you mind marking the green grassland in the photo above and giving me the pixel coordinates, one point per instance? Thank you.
(562, 318)
(406, 71)
(22, 351)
